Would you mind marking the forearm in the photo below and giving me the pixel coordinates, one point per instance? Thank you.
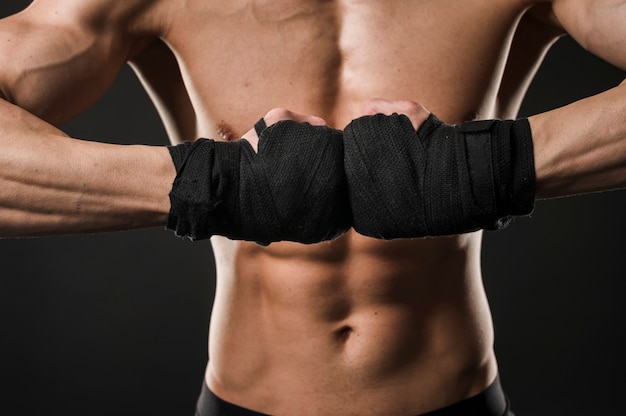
(52, 184)
(581, 147)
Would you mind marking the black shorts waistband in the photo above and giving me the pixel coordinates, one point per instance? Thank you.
(211, 405)
(491, 402)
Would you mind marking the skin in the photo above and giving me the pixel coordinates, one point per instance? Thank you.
(351, 326)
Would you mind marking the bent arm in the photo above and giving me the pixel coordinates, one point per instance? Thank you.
(581, 147)
(53, 184)
(56, 62)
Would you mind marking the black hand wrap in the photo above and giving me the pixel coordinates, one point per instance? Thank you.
(293, 189)
(442, 180)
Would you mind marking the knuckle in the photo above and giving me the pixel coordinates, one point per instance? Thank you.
(316, 121)
(277, 114)
(410, 106)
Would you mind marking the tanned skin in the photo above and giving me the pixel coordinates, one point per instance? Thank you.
(354, 326)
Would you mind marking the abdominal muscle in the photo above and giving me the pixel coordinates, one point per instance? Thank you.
(356, 325)
(352, 326)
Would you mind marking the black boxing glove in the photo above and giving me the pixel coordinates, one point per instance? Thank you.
(440, 180)
(293, 189)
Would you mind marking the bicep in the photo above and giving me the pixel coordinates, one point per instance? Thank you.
(597, 25)
(55, 67)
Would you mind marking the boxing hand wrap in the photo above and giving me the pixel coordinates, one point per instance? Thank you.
(440, 180)
(293, 189)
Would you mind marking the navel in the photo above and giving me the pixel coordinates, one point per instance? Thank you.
(343, 333)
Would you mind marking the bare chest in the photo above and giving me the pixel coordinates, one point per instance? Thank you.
(326, 57)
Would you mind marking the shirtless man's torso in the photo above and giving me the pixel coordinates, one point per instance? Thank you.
(352, 326)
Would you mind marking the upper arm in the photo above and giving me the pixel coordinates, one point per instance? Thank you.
(57, 57)
(597, 25)
(535, 33)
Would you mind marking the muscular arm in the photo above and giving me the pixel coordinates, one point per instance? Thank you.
(582, 147)
(58, 57)
(52, 184)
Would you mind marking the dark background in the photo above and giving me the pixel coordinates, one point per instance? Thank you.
(117, 323)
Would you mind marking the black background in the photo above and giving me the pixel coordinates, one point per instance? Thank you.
(117, 323)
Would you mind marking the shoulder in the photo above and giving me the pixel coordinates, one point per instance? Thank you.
(133, 23)
(122, 16)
